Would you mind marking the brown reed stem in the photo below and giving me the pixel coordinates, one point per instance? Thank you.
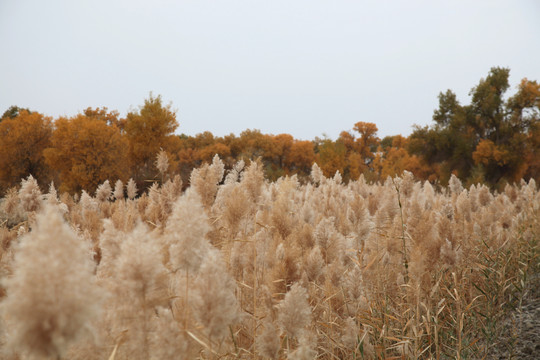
(404, 246)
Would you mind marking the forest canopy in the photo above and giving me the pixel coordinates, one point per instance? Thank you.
(494, 139)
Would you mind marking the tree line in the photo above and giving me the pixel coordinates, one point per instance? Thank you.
(493, 140)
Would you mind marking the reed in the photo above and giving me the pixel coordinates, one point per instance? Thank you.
(239, 267)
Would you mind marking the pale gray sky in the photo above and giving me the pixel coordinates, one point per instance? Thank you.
(282, 66)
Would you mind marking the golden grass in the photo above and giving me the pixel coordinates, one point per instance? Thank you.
(245, 268)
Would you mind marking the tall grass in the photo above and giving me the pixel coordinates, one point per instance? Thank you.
(239, 267)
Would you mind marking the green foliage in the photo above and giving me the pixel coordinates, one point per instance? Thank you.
(13, 112)
(489, 139)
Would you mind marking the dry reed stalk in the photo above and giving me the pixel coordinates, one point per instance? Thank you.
(424, 274)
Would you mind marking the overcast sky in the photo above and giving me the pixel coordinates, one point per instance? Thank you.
(306, 68)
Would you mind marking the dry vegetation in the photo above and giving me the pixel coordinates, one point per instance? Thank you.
(238, 267)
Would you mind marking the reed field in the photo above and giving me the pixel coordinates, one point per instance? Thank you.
(234, 266)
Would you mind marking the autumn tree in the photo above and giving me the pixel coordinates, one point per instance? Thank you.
(359, 148)
(186, 156)
(505, 127)
(448, 144)
(330, 156)
(108, 117)
(524, 120)
(22, 141)
(301, 157)
(392, 159)
(192, 151)
(279, 154)
(276, 154)
(208, 146)
(85, 151)
(250, 145)
(533, 155)
(148, 130)
(489, 140)
(281, 149)
(13, 112)
(368, 140)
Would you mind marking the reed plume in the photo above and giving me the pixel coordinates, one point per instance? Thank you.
(52, 296)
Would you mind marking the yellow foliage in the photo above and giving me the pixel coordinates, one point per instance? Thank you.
(22, 141)
(487, 151)
(85, 152)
